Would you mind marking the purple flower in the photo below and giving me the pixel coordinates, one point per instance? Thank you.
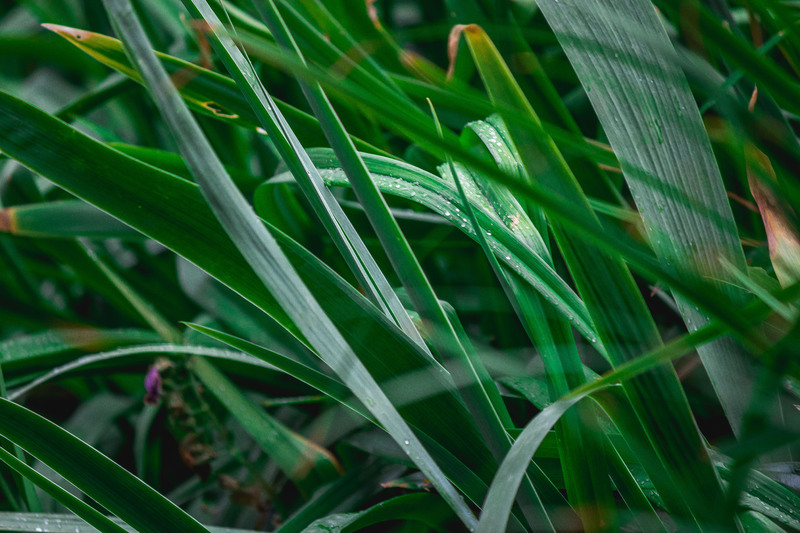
(152, 384)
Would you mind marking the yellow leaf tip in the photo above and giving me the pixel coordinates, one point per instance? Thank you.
(66, 31)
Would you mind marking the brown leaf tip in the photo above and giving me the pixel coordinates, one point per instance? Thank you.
(6, 220)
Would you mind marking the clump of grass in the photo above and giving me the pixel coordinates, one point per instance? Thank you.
(303, 265)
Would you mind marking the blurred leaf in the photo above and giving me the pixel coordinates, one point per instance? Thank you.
(782, 236)
(63, 219)
(666, 159)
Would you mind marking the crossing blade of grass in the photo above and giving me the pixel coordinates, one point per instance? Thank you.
(172, 211)
(401, 179)
(622, 318)
(497, 507)
(293, 154)
(481, 393)
(327, 385)
(267, 260)
(467, 481)
(306, 463)
(98, 477)
(394, 243)
(624, 59)
(773, 498)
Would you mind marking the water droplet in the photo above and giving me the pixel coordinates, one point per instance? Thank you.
(488, 233)
(406, 442)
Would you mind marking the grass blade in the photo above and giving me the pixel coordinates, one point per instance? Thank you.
(441, 196)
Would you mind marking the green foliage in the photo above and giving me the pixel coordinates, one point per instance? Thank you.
(324, 265)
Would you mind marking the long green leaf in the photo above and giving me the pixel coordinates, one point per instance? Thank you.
(580, 437)
(142, 352)
(59, 523)
(70, 501)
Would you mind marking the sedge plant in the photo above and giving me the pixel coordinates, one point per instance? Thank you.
(316, 265)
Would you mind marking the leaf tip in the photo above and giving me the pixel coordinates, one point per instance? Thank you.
(72, 34)
(453, 40)
(7, 224)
